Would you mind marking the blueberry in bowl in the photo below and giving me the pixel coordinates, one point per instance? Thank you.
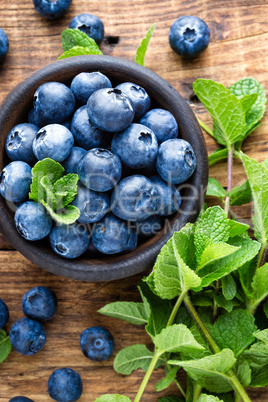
(66, 249)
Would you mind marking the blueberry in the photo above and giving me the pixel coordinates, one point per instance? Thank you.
(71, 163)
(27, 336)
(3, 45)
(150, 226)
(52, 10)
(69, 241)
(136, 146)
(189, 36)
(100, 169)
(19, 143)
(162, 123)
(32, 221)
(84, 84)
(65, 385)
(110, 109)
(112, 235)
(39, 303)
(87, 135)
(53, 102)
(4, 313)
(33, 118)
(176, 161)
(92, 204)
(20, 399)
(90, 25)
(139, 97)
(15, 181)
(169, 198)
(97, 343)
(53, 141)
(134, 199)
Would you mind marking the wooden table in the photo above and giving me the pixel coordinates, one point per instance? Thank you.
(238, 48)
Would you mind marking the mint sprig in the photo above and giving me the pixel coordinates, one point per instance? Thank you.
(142, 49)
(77, 43)
(5, 345)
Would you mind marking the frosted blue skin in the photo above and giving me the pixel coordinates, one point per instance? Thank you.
(32, 221)
(53, 141)
(162, 123)
(65, 385)
(97, 343)
(136, 146)
(69, 241)
(27, 336)
(20, 399)
(150, 226)
(15, 181)
(52, 10)
(189, 36)
(176, 161)
(84, 84)
(140, 99)
(112, 235)
(71, 163)
(4, 45)
(4, 313)
(39, 303)
(90, 25)
(169, 198)
(19, 143)
(92, 205)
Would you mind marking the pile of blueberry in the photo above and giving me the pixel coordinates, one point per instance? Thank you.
(128, 157)
(28, 336)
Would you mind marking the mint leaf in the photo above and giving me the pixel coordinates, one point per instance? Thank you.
(215, 189)
(243, 371)
(142, 49)
(234, 331)
(127, 311)
(225, 109)
(171, 398)
(214, 252)
(228, 287)
(65, 189)
(71, 38)
(5, 345)
(257, 357)
(199, 337)
(262, 335)
(210, 372)
(259, 286)
(237, 228)
(113, 398)
(166, 381)
(220, 300)
(79, 51)
(132, 358)
(217, 156)
(66, 216)
(49, 194)
(208, 398)
(240, 195)
(246, 273)
(247, 101)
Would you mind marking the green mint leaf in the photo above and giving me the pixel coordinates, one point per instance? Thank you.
(65, 189)
(229, 288)
(132, 358)
(49, 194)
(74, 37)
(247, 101)
(5, 345)
(257, 356)
(176, 338)
(213, 225)
(189, 389)
(142, 49)
(166, 381)
(127, 311)
(240, 195)
(234, 331)
(262, 335)
(220, 300)
(199, 337)
(259, 376)
(237, 228)
(214, 252)
(113, 398)
(243, 371)
(47, 167)
(215, 189)
(208, 398)
(265, 309)
(210, 372)
(79, 51)
(171, 398)
(66, 216)
(259, 286)
(246, 273)
(217, 156)
(225, 109)
(201, 301)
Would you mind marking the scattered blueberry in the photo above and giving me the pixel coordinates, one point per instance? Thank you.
(134, 199)
(39, 303)
(71, 163)
(3, 45)
(90, 25)
(169, 198)
(97, 343)
(150, 226)
(162, 123)
(69, 241)
(189, 36)
(53, 102)
(112, 235)
(84, 84)
(27, 336)
(110, 109)
(32, 221)
(19, 143)
(15, 181)
(65, 385)
(52, 10)
(139, 97)
(53, 141)
(20, 399)
(4, 313)
(136, 146)
(100, 169)
(176, 161)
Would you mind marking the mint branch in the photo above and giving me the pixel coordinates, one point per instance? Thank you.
(229, 178)
(142, 49)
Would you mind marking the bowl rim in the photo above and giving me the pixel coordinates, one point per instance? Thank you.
(119, 266)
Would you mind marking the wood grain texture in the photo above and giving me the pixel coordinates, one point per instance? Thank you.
(238, 48)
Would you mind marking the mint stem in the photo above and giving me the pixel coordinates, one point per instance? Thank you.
(229, 178)
(197, 392)
(176, 308)
(261, 255)
(177, 382)
(205, 127)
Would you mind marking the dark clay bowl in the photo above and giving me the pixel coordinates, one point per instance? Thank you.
(102, 268)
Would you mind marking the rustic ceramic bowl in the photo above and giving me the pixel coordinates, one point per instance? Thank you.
(15, 109)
